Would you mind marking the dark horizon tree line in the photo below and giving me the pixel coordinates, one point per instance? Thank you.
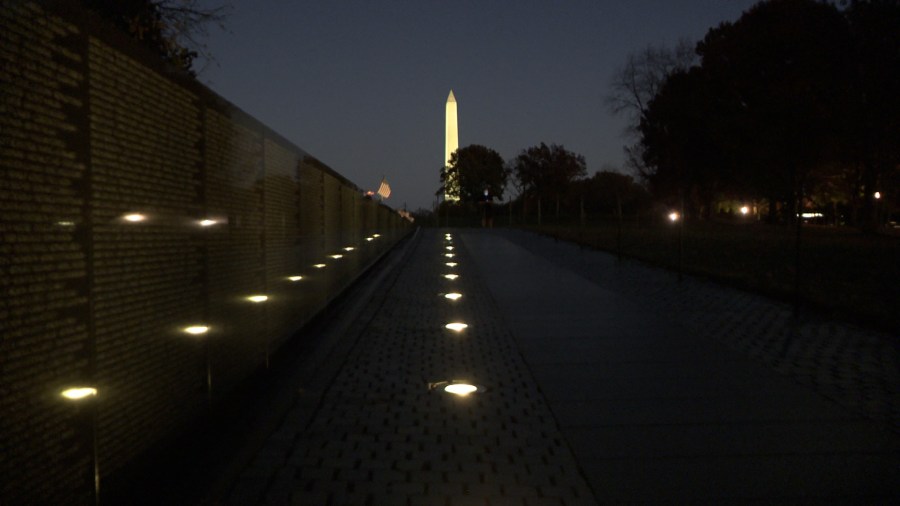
(794, 105)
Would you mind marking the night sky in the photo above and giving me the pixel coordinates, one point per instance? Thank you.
(361, 85)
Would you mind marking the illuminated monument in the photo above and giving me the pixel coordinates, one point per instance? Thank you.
(451, 192)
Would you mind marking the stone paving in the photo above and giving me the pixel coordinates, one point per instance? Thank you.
(385, 433)
(377, 429)
(858, 368)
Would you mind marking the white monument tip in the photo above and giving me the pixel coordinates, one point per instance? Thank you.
(451, 98)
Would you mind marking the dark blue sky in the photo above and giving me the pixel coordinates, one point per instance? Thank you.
(361, 85)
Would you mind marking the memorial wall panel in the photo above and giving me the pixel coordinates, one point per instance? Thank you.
(282, 234)
(135, 204)
(234, 199)
(312, 237)
(145, 132)
(45, 341)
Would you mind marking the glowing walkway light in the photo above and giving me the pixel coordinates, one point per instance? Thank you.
(196, 330)
(134, 217)
(449, 255)
(256, 299)
(336, 257)
(673, 217)
(456, 326)
(745, 210)
(451, 277)
(78, 393)
(451, 264)
(453, 296)
(349, 248)
(449, 248)
(208, 223)
(460, 389)
(319, 266)
(294, 278)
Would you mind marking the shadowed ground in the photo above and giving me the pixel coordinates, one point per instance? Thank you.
(605, 382)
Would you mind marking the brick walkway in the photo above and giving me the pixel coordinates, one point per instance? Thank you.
(382, 436)
(857, 367)
(650, 391)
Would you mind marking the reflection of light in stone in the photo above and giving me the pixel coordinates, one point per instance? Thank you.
(460, 389)
(336, 257)
(349, 248)
(451, 276)
(295, 278)
(208, 223)
(453, 296)
(134, 218)
(319, 266)
(77, 393)
(456, 326)
(258, 298)
(196, 329)
(451, 264)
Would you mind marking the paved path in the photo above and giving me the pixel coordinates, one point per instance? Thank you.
(592, 396)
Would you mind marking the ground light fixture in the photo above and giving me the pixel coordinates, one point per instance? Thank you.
(319, 266)
(78, 393)
(673, 216)
(370, 239)
(134, 217)
(451, 264)
(336, 257)
(453, 296)
(376, 236)
(349, 248)
(196, 330)
(256, 299)
(449, 248)
(294, 278)
(456, 326)
(451, 277)
(745, 210)
(208, 222)
(449, 255)
(458, 388)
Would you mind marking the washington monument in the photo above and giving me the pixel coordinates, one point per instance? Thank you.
(452, 144)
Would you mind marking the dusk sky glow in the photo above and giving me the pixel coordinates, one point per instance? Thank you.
(362, 85)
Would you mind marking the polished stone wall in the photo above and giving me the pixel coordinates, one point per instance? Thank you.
(135, 203)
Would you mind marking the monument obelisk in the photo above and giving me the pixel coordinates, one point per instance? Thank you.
(451, 144)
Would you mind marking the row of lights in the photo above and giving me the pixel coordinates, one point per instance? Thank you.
(81, 392)
(454, 387)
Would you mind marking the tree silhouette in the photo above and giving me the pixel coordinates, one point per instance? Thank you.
(473, 169)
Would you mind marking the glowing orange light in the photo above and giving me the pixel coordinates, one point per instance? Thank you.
(78, 393)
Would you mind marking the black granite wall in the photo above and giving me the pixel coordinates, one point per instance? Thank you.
(135, 203)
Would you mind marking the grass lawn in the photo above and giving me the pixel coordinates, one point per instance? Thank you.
(843, 271)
